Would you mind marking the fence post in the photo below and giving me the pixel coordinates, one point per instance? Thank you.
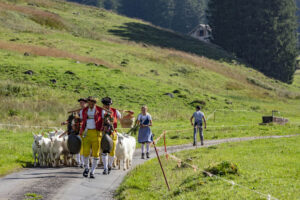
(215, 116)
(167, 156)
(162, 169)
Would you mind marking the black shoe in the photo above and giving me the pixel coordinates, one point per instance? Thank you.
(194, 144)
(109, 169)
(86, 172)
(143, 156)
(202, 143)
(105, 172)
(92, 175)
(147, 154)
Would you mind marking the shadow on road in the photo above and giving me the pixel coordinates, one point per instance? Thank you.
(67, 173)
(43, 177)
(25, 164)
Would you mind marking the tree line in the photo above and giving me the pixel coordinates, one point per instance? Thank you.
(262, 32)
(178, 15)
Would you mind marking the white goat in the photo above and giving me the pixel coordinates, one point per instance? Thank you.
(69, 160)
(56, 146)
(36, 149)
(124, 150)
(132, 150)
(45, 151)
(56, 150)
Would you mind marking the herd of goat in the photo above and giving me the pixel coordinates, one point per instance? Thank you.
(51, 150)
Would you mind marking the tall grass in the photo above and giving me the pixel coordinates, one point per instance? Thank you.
(41, 17)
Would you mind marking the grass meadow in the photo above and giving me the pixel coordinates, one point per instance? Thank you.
(269, 166)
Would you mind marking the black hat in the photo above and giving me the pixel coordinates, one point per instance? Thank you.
(107, 101)
(92, 99)
(82, 99)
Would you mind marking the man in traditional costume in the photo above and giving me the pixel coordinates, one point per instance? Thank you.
(110, 118)
(91, 135)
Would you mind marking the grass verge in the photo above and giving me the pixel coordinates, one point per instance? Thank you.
(270, 166)
(15, 150)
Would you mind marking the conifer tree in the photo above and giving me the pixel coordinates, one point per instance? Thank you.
(263, 33)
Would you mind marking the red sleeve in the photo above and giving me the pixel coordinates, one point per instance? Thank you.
(84, 118)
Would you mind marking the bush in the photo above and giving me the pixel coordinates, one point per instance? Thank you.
(255, 108)
(12, 112)
(222, 168)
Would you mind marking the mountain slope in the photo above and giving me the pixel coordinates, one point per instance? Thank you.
(90, 51)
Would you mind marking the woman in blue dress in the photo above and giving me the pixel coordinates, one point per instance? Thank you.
(145, 134)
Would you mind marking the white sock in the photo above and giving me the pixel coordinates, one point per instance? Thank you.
(86, 162)
(148, 147)
(110, 161)
(94, 165)
(143, 146)
(105, 160)
(82, 159)
(78, 159)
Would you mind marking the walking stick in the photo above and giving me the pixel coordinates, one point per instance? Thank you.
(162, 169)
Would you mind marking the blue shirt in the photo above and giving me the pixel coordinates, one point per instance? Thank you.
(198, 115)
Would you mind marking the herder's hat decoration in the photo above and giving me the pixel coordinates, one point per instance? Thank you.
(92, 99)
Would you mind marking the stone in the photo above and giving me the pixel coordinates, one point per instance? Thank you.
(70, 72)
(169, 94)
(29, 72)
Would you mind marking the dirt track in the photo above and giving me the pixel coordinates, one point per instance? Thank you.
(68, 183)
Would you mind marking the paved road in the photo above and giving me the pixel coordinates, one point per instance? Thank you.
(68, 183)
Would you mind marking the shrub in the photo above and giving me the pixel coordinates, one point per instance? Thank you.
(12, 112)
(222, 168)
(255, 108)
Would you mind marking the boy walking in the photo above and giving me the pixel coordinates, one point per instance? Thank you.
(199, 119)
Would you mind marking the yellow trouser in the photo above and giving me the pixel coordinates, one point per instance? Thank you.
(81, 149)
(114, 137)
(92, 141)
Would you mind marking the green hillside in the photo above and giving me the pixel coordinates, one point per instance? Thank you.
(138, 62)
(75, 50)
